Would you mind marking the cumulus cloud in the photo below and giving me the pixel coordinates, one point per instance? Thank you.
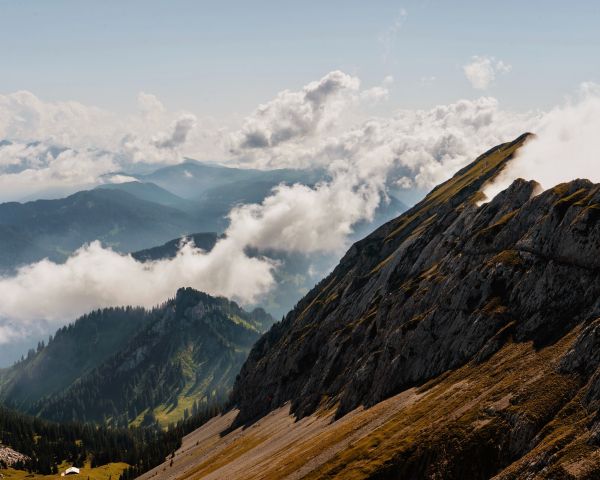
(565, 147)
(65, 146)
(292, 115)
(482, 70)
(427, 146)
(179, 135)
(303, 219)
(26, 169)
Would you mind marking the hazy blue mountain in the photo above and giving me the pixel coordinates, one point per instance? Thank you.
(203, 181)
(150, 192)
(17, 247)
(135, 215)
(54, 228)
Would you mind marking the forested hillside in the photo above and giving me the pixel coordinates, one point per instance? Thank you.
(40, 446)
(130, 366)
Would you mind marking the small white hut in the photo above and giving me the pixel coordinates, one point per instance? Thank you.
(71, 471)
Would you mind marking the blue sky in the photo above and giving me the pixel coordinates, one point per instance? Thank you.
(216, 58)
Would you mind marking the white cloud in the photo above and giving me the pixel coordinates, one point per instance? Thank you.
(29, 168)
(304, 219)
(425, 145)
(482, 71)
(315, 126)
(66, 146)
(296, 115)
(95, 277)
(566, 145)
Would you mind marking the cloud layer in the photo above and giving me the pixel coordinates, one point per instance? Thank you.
(95, 277)
(293, 115)
(65, 146)
(365, 158)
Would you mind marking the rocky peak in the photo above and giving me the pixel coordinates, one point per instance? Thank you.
(445, 283)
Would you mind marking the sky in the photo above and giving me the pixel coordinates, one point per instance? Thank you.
(386, 97)
(222, 58)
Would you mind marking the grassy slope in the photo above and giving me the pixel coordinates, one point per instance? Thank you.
(112, 471)
(464, 414)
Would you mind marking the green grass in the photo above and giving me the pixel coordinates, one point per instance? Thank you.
(110, 471)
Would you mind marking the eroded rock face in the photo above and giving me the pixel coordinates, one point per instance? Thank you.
(445, 283)
(10, 457)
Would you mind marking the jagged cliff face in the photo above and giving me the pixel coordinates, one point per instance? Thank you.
(507, 288)
(403, 305)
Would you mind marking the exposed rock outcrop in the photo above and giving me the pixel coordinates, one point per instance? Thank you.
(448, 284)
(10, 457)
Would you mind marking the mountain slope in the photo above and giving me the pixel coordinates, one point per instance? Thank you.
(117, 218)
(205, 241)
(210, 182)
(162, 366)
(375, 325)
(456, 341)
(74, 351)
(150, 192)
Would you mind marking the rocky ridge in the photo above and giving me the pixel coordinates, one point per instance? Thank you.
(453, 285)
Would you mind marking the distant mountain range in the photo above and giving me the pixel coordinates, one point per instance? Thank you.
(130, 366)
(167, 203)
(202, 181)
(55, 228)
(146, 219)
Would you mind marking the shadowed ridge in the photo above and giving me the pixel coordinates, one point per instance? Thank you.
(262, 386)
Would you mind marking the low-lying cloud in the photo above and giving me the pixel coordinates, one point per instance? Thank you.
(95, 277)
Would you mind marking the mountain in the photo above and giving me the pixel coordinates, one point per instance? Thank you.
(151, 193)
(214, 190)
(202, 181)
(17, 247)
(73, 352)
(135, 215)
(372, 309)
(457, 341)
(124, 366)
(57, 227)
(205, 241)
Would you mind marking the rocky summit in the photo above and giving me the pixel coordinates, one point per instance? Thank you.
(490, 310)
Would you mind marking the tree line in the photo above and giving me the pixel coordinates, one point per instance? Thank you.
(48, 444)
